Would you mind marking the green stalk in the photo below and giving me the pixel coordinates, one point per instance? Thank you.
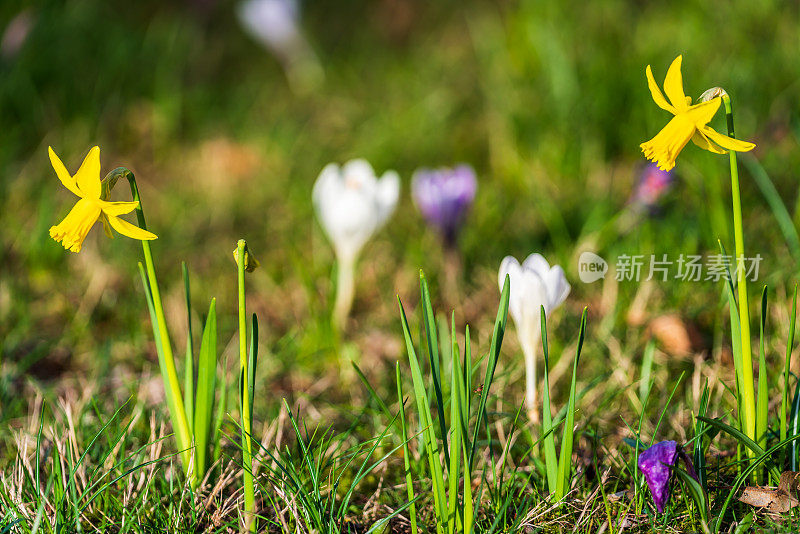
(169, 374)
(247, 451)
(789, 344)
(748, 389)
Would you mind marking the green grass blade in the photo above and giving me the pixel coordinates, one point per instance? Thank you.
(762, 401)
(429, 322)
(494, 354)
(206, 389)
(426, 425)
(412, 512)
(456, 399)
(252, 362)
(776, 204)
(745, 474)
(565, 458)
(742, 438)
(697, 493)
(188, 366)
(786, 367)
(698, 453)
(794, 427)
(550, 458)
(222, 406)
(646, 371)
(372, 393)
(736, 344)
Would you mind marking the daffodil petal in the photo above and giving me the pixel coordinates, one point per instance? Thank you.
(701, 114)
(129, 230)
(727, 142)
(88, 176)
(658, 96)
(62, 173)
(673, 85)
(705, 143)
(115, 209)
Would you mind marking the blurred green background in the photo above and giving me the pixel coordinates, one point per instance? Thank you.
(546, 99)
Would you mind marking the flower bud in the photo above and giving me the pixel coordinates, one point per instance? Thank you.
(250, 263)
(712, 93)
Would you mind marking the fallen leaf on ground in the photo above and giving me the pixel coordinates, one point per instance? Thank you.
(780, 499)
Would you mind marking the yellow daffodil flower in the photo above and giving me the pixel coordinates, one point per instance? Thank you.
(689, 123)
(86, 184)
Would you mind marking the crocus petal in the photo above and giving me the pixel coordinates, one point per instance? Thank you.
(115, 209)
(700, 139)
(511, 267)
(129, 230)
(387, 194)
(535, 262)
(62, 173)
(88, 176)
(658, 97)
(556, 286)
(727, 142)
(655, 463)
(351, 204)
(673, 85)
(358, 172)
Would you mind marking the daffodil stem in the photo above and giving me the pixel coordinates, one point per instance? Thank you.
(247, 417)
(748, 389)
(166, 359)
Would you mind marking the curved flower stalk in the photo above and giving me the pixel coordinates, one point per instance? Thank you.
(690, 122)
(92, 205)
(534, 284)
(351, 205)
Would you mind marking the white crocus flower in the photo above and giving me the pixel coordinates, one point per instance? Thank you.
(533, 284)
(275, 24)
(351, 205)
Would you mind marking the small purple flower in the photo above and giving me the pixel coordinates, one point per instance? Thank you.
(653, 184)
(444, 196)
(655, 464)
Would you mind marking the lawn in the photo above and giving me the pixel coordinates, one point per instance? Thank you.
(385, 383)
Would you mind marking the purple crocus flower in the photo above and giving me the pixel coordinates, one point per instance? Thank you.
(444, 196)
(655, 464)
(653, 184)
